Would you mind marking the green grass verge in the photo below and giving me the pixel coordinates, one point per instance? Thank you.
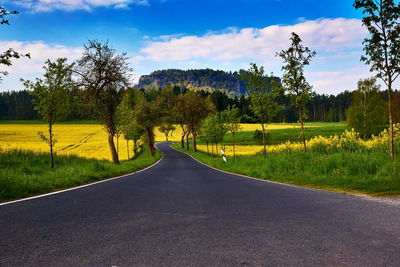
(25, 174)
(366, 173)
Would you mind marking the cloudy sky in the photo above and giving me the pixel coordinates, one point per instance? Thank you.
(190, 34)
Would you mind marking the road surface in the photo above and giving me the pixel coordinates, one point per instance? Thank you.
(182, 213)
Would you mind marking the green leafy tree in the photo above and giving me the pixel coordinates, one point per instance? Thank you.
(232, 123)
(197, 109)
(264, 93)
(382, 47)
(213, 130)
(103, 75)
(135, 133)
(166, 129)
(180, 118)
(367, 111)
(295, 58)
(126, 120)
(148, 115)
(7, 56)
(52, 97)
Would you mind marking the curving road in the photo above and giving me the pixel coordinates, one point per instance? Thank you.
(182, 213)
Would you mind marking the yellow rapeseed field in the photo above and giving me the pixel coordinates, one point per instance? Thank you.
(348, 141)
(84, 140)
(89, 141)
(248, 127)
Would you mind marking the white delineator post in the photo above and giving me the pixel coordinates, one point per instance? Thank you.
(223, 155)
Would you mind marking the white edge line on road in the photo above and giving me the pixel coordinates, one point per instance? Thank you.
(82, 186)
(249, 177)
(388, 200)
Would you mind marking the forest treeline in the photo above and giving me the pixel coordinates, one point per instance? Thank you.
(17, 105)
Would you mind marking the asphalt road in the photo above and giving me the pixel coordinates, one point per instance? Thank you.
(182, 213)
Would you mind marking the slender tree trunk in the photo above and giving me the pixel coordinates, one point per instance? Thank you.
(183, 140)
(150, 141)
(51, 145)
(166, 136)
(187, 141)
(391, 141)
(216, 149)
(212, 148)
(263, 138)
(114, 154)
(183, 136)
(127, 147)
(117, 143)
(207, 148)
(194, 142)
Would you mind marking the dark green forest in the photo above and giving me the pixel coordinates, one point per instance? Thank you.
(17, 105)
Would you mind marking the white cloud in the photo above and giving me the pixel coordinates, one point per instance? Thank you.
(49, 5)
(328, 35)
(338, 43)
(39, 52)
(333, 82)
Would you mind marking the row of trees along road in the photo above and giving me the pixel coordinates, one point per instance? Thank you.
(101, 76)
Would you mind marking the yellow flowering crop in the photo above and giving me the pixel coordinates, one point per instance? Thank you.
(348, 141)
(89, 141)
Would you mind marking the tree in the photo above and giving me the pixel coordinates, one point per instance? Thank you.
(103, 75)
(166, 129)
(382, 47)
(180, 118)
(264, 92)
(367, 111)
(7, 56)
(213, 130)
(232, 123)
(126, 120)
(148, 115)
(295, 58)
(196, 110)
(52, 96)
(133, 132)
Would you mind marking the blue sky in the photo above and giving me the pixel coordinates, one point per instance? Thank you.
(189, 34)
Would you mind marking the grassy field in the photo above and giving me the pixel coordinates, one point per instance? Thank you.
(24, 173)
(367, 173)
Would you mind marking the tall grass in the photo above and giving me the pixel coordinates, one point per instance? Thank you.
(370, 173)
(26, 173)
